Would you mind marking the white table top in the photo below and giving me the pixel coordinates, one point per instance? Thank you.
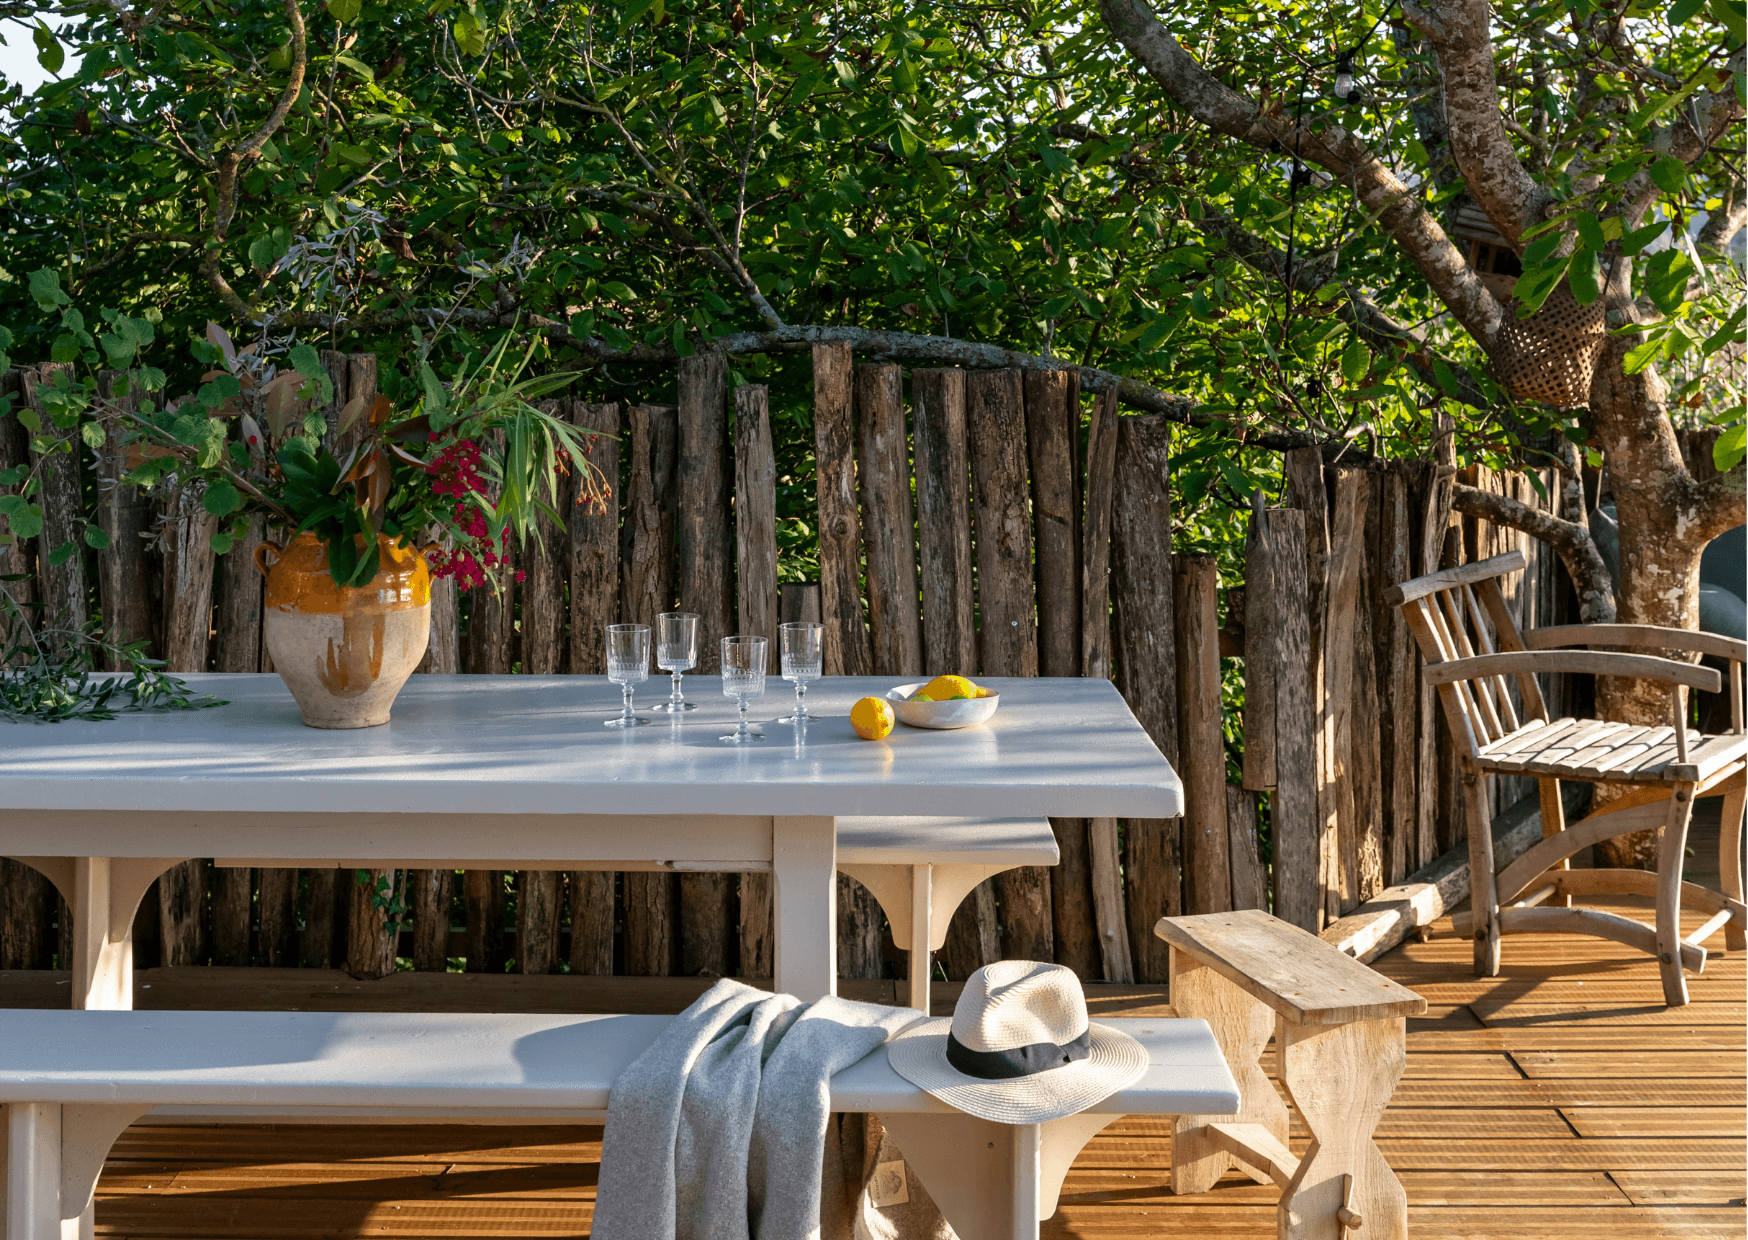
(536, 745)
(433, 1060)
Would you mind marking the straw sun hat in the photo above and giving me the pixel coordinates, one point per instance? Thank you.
(1019, 1048)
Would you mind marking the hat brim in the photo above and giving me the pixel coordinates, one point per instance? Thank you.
(919, 1055)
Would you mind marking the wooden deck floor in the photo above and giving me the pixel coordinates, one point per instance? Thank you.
(1559, 1100)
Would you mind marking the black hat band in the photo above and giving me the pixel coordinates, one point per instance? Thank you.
(1017, 1061)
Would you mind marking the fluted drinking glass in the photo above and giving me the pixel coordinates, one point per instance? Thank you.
(676, 653)
(743, 678)
(800, 649)
(627, 666)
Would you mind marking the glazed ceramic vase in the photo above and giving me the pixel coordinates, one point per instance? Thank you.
(345, 652)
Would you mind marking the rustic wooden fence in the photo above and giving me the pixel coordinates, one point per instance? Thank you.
(996, 524)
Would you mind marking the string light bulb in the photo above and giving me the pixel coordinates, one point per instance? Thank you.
(1344, 87)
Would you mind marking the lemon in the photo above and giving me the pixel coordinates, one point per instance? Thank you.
(946, 688)
(872, 718)
(983, 693)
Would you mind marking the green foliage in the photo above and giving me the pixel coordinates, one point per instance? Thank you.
(48, 674)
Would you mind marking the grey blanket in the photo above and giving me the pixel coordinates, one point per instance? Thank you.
(718, 1130)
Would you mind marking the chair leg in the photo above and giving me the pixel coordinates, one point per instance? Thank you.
(1671, 854)
(1554, 822)
(1483, 893)
(1730, 862)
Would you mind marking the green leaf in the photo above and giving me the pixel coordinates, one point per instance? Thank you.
(45, 287)
(1534, 286)
(1354, 360)
(222, 541)
(1683, 10)
(1639, 238)
(96, 538)
(1590, 230)
(27, 524)
(1586, 276)
(28, 417)
(1541, 249)
(357, 66)
(92, 434)
(61, 554)
(222, 499)
(1641, 356)
(344, 11)
(48, 52)
(1668, 174)
(1731, 446)
(307, 362)
(469, 37)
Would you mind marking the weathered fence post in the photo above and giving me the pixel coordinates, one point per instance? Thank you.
(1052, 438)
(943, 504)
(61, 571)
(431, 892)
(888, 521)
(996, 426)
(1398, 688)
(1295, 828)
(124, 571)
(594, 542)
(1341, 640)
(1145, 645)
(1201, 743)
(1250, 879)
(847, 650)
(702, 490)
(370, 948)
(538, 897)
(591, 895)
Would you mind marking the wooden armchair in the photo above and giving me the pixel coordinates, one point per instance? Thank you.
(1472, 649)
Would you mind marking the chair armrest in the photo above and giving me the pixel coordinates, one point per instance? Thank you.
(1594, 662)
(1643, 635)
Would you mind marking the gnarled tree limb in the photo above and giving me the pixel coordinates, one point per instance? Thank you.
(1569, 539)
(1460, 33)
(1398, 208)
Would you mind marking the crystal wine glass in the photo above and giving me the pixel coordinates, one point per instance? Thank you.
(676, 652)
(743, 678)
(798, 645)
(627, 666)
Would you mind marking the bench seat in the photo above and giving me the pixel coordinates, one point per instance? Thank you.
(72, 1081)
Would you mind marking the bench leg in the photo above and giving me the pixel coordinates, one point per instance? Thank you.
(805, 891)
(1341, 1078)
(1242, 1027)
(992, 1181)
(1672, 853)
(33, 1171)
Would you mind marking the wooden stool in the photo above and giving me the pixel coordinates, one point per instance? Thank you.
(1340, 1030)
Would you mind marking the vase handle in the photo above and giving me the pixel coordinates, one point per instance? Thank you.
(261, 556)
(430, 549)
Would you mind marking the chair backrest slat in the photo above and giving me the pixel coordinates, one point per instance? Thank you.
(1535, 706)
(1488, 717)
(1461, 712)
(1484, 644)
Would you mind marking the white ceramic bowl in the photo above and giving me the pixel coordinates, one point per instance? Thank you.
(958, 714)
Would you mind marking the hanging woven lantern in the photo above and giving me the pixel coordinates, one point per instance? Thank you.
(1551, 356)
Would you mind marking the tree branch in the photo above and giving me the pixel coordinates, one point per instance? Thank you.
(1569, 539)
(1460, 33)
(1380, 190)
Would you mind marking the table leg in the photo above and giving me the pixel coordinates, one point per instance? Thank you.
(805, 890)
(922, 963)
(102, 895)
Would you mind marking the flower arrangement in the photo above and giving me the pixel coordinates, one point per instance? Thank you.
(473, 463)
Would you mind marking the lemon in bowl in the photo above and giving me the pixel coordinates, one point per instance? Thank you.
(928, 706)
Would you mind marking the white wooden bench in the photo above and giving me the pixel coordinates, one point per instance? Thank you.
(930, 865)
(1340, 1033)
(72, 1081)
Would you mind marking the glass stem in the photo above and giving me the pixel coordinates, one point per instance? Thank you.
(627, 716)
(744, 729)
(801, 699)
(675, 700)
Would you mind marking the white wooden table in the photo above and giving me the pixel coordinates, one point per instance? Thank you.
(517, 772)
